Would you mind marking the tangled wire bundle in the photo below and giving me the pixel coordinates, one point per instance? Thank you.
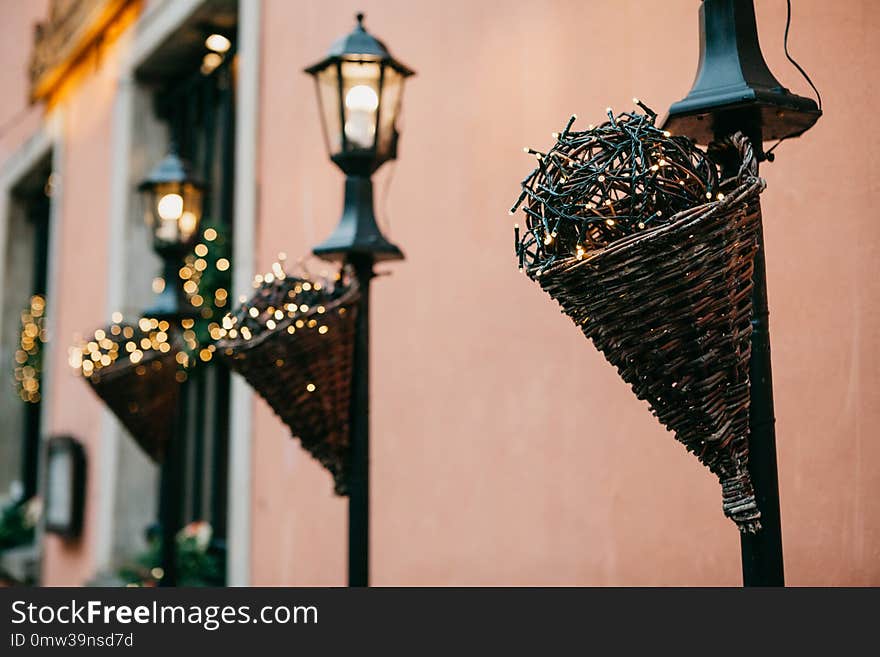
(651, 254)
(293, 341)
(596, 186)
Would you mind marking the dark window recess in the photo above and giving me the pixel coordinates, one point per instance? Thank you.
(32, 196)
(200, 112)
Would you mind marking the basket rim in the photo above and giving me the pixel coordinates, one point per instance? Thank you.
(116, 369)
(351, 295)
(735, 200)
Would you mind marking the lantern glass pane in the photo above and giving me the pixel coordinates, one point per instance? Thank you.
(360, 93)
(59, 494)
(327, 85)
(189, 221)
(173, 212)
(392, 90)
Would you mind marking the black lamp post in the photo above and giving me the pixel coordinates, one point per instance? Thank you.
(735, 91)
(359, 87)
(172, 197)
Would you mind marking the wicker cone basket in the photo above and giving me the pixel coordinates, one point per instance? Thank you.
(143, 397)
(671, 309)
(304, 376)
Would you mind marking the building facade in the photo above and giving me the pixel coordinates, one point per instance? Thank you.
(505, 450)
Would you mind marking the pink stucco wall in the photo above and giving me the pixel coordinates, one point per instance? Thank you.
(505, 450)
(18, 119)
(81, 301)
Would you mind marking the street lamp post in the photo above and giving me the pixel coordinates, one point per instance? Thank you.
(359, 87)
(734, 90)
(172, 198)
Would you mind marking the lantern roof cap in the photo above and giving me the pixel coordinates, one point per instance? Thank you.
(734, 89)
(171, 169)
(359, 45)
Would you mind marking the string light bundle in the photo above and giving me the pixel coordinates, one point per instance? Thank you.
(29, 354)
(598, 185)
(650, 253)
(137, 370)
(293, 341)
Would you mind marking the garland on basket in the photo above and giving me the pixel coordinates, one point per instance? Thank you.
(650, 253)
(284, 298)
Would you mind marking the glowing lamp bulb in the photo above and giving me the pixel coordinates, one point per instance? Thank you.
(170, 206)
(361, 101)
(362, 98)
(218, 43)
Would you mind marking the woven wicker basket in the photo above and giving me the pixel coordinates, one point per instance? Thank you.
(305, 377)
(670, 308)
(143, 397)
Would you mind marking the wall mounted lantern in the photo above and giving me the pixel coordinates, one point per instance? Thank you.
(172, 196)
(65, 486)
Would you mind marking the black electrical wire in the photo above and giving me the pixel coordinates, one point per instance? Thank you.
(791, 59)
(769, 154)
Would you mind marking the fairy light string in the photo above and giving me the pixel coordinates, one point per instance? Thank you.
(206, 278)
(284, 301)
(29, 354)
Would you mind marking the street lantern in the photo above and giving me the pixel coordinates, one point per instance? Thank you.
(359, 88)
(172, 198)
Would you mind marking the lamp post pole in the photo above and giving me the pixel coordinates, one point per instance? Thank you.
(359, 474)
(170, 511)
(762, 563)
(169, 306)
(359, 242)
(734, 90)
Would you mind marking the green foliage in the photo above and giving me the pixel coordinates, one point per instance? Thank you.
(208, 275)
(16, 525)
(199, 561)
